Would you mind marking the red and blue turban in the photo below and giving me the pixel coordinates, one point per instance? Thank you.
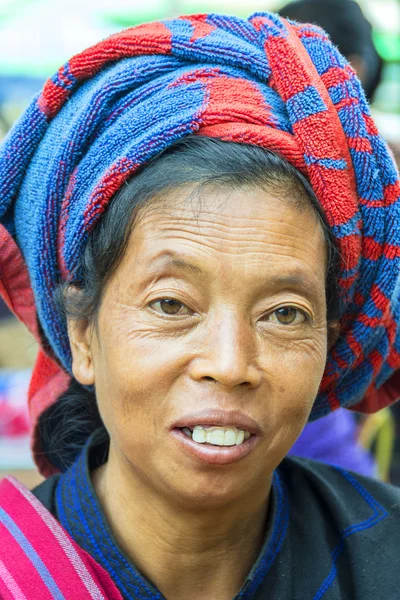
(264, 81)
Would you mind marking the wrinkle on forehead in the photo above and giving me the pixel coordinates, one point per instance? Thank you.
(248, 221)
(210, 198)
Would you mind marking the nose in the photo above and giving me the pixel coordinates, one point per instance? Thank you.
(228, 353)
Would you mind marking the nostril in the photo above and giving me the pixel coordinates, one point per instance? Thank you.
(242, 383)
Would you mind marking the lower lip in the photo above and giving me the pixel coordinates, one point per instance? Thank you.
(214, 455)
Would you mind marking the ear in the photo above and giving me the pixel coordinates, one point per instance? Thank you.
(80, 333)
(333, 333)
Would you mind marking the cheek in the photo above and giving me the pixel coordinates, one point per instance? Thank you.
(298, 370)
(135, 373)
(293, 377)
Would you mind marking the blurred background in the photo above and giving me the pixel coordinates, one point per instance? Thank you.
(37, 36)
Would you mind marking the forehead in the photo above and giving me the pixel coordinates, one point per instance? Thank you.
(244, 225)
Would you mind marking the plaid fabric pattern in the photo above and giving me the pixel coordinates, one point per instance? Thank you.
(264, 81)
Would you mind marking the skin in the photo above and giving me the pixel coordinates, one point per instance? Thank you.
(251, 253)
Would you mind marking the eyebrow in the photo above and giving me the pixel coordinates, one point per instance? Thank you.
(183, 265)
(177, 263)
(295, 280)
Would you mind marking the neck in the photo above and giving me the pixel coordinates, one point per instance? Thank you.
(186, 543)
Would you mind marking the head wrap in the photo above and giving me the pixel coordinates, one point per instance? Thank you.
(263, 81)
(348, 29)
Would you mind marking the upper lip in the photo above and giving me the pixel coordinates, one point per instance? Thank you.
(219, 418)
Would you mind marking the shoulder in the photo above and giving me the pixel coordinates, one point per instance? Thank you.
(328, 482)
(44, 493)
(348, 496)
(355, 517)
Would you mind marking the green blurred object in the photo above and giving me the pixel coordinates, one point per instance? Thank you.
(13, 8)
(135, 15)
(388, 45)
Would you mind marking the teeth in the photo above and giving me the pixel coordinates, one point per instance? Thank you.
(217, 436)
(199, 435)
(240, 438)
(230, 437)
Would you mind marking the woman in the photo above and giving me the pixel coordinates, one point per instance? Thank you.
(207, 217)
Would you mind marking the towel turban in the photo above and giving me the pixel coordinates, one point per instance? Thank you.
(265, 81)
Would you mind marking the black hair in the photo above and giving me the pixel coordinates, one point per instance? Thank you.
(348, 28)
(65, 426)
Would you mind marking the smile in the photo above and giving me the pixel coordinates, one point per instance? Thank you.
(217, 436)
(215, 453)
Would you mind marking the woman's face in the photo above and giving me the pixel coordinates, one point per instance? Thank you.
(215, 320)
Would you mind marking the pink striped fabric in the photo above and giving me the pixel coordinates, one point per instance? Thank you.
(10, 583)
(38, 559)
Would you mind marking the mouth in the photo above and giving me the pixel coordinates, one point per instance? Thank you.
(217, 437)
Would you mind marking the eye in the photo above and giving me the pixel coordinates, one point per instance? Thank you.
(287, 315)
(169, 306)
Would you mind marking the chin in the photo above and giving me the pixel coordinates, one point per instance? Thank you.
(211, 493)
